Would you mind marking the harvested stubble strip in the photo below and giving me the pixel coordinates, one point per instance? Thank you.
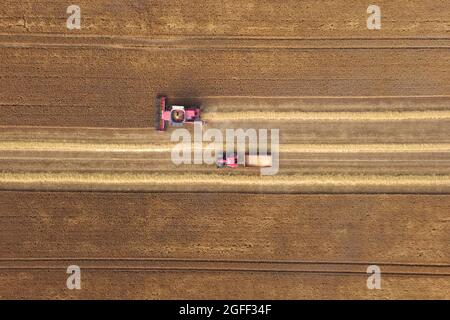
(155, 179)
(291, 148)
(328, 115)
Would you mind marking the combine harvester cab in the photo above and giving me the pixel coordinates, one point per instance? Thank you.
(259, 161)
(175, 115)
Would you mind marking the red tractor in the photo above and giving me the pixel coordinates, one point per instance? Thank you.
(175, 115)
(249, 161)
(224, 161)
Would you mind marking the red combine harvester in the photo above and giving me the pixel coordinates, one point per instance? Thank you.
(175, 115)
